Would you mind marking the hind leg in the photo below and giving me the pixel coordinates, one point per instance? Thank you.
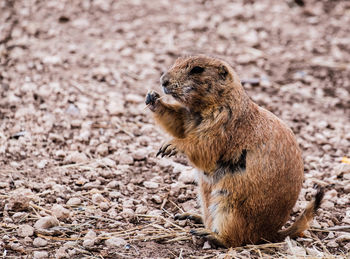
(210, 236)
(192, 216)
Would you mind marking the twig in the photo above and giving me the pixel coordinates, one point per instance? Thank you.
(333, 229)
(40, 208)
(182, 211)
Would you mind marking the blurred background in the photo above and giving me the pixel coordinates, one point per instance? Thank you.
(74, 74)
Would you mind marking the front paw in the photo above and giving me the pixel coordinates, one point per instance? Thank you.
(167, 150)
(152, 99)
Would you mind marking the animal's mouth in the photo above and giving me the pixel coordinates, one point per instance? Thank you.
(166, 90)
(170, 92)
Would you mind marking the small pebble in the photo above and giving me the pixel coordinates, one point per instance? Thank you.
(41, 164)
(332, 244)
(206, 245)
(188, 176)
(140, 154)
(104, 206)
(89, 242)
(124, 159)
(25, 230)
(73, 201)
(97, 198)
(40, 254)
(90, 235)
(115, 242)
(342, 238)
(60, 154)
(39, 242)
(61, 253)
(60, 212)
(76, 157)
(157, 199)
(151, 185)
(102, 149)
(46, 222)
(327, 204)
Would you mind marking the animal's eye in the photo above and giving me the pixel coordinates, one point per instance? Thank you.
(196, 70)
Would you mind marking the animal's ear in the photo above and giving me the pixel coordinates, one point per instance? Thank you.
(223, 72)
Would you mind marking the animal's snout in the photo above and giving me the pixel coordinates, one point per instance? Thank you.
(164, 80)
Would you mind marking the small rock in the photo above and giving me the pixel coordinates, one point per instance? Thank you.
(140, 209)
(84, 135)
(41, 164)
(61, 253)
(60, 212)
(124, 158)
(342, 238)
(225, 30)
(60, 154)
(76, 157)
(127, 213)
(56, 138)
(97, 198)
(104, 206)
(102, 149)
(89, 242)
(25, 231)
(140, 154)
(75, 123)
(330, 194)
(115, 195)
(347, 246)
(155, 213)
(115, 242)
(188, 176)
(73, 110)
(150, 185)
(90, 235)
(332, 244)
(327, 205)
(113, 184)
(28, 240)
(52, 60)
(46, 222)
(16, 246)
(157, 199)
(107, 162)
(206, 245)
(39, 242)
(40, 254)
(19, 200)
(314, 252)
(74, 201)
(298, 251)
(251, 38)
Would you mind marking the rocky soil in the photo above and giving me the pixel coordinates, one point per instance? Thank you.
(78, 172)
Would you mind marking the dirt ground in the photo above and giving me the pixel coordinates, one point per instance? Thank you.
(78, 172)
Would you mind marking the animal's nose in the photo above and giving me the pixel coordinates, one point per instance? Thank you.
(164, 80)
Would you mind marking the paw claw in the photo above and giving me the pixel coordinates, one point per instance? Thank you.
(166, 151)
(151, 97)
(177, 216)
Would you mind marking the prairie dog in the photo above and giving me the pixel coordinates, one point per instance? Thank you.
(249, 163)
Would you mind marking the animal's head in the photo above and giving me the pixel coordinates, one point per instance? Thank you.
(199, 81)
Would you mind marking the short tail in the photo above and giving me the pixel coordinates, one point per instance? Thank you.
(302, 222)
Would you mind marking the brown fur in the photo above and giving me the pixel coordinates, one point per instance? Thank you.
(250, 166)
